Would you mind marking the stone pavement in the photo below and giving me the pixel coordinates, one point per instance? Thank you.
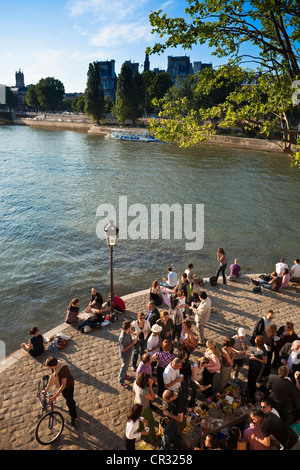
(93, 358)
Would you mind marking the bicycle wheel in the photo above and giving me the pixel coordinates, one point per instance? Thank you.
(49, 427)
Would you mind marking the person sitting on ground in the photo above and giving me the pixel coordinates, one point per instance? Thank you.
(295, 271)
(286, 277)
(36, 343)
(273, 285)
(155, 293)
(119, 304)
(96, 302)
(72, 312)
(190, 274)
(235, 271)
(279, 267)
(171, 281)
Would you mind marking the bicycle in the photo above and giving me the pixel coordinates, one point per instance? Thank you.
(51, 424)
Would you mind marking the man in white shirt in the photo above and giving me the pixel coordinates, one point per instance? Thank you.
(295, 270)
(279, 267)
(202, 314)
(171, 375)
(171, 281)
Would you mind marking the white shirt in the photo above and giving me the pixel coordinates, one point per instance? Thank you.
(280, 267)
(172, 279)
(171, 374)
(152, 342)
(203, 311)
(295, 270)
(132, 429)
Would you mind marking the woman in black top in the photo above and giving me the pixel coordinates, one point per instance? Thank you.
(35, 346)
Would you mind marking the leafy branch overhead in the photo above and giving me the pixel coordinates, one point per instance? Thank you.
(258, 100)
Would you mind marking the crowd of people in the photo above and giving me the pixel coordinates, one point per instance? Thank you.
(158, 346)
(163, 341)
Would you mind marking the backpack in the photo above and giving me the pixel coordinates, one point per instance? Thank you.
(213, 280)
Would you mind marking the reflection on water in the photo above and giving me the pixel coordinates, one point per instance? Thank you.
(52, 183)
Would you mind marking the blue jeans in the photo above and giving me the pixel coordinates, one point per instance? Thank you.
(124, 368)
(222, 270)
(139, 349)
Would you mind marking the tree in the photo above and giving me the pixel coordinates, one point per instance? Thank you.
(271, 28)
(125, 104)
(50, 93)
(78, 104)
(94, 94)
(32, 99)
(156, 86)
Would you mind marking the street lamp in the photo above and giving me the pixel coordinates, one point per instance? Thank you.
(111, 238)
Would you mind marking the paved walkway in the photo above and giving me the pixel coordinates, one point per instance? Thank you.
(94, 361)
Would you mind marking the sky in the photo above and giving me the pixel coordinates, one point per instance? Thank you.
(59, 38)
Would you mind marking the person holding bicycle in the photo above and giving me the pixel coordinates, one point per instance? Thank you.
(62, 378)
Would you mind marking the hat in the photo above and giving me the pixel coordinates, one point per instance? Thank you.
(156, 328)
(241, 332)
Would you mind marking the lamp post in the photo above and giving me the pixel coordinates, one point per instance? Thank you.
(111, 237)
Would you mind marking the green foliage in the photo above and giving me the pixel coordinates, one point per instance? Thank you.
(50, 93)
(94, 94)
(130, 96)
(78, 104)
(272, 29)
(32, 99)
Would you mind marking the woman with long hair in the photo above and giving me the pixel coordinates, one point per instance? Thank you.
(135, 426)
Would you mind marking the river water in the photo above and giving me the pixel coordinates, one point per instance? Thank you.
(52, 183)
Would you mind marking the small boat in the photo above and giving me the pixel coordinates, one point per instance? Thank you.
(132, 136)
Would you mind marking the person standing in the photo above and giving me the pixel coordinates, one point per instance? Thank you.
(126, 344)
(261, 325)
(271, 425)
(202, 315)
(142, 329)
(62, 378)
(136, 426)
(222, 260)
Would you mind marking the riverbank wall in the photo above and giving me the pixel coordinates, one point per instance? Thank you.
(76, 124)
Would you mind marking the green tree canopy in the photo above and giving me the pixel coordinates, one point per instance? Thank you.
(270, 30)
(50, 93)
(32, 99)
(130, 95)
(94, 94)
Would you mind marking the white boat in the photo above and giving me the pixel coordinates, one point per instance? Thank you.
(131, 136)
